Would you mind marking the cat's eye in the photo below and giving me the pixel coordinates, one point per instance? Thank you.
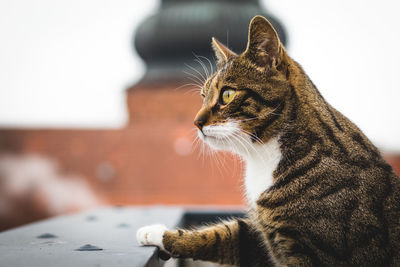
(227, 95)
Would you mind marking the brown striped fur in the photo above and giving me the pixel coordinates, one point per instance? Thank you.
(334, 201)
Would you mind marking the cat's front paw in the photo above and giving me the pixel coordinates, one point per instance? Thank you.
(151, 235)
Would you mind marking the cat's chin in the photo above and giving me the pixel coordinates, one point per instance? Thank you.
(226, 137)
(221, 144)
(216, 143)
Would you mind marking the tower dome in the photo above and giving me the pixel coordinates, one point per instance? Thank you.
(181, 29)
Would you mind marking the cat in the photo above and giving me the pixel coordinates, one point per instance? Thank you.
(318, 190)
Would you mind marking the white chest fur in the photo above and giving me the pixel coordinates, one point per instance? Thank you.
(260, 166)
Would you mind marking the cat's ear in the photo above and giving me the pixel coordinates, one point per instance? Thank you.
(222, 53)
(263, 46)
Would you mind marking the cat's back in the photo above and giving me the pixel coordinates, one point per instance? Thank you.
(333, 191)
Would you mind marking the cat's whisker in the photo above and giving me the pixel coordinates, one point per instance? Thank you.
(195, 144)
(249, 144)
(202, 151)
(186, 85)
(207, 152)
(193, 91)
(209, 62)
(234, 151)
(238, 139)
(257, 151)
(252, 136)
(234, 126)
(214, 159)
(241, 142)
(220, 163)
(195, 136)
(207, 74)
(196, 87)
(194, 83)
(202, 64)
(201, 75)
(194, 78)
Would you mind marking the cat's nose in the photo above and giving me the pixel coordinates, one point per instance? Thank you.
(199, 123)
(201, 118)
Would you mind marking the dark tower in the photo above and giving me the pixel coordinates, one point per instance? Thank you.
(182, 29)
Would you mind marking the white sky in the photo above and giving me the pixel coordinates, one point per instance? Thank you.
(67, 63)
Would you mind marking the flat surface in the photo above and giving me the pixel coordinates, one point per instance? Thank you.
(111, 229)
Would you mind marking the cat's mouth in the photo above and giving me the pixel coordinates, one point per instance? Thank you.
(217, 132)
(206, 137)
(214, 141)
(219, 136)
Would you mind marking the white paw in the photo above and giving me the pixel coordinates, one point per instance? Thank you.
(151, 235)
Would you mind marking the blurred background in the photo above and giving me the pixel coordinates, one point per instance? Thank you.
(97, 97)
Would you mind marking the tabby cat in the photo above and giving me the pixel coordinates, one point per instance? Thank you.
(319, 192)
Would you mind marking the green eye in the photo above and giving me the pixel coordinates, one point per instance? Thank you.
(227, 96)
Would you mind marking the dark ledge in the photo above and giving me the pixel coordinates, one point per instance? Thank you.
(105, 237)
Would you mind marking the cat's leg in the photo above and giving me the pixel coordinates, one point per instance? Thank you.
(233, 243)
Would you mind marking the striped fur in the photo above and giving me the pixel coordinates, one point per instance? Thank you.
(333, 200)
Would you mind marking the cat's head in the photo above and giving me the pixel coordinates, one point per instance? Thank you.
(245, 102)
